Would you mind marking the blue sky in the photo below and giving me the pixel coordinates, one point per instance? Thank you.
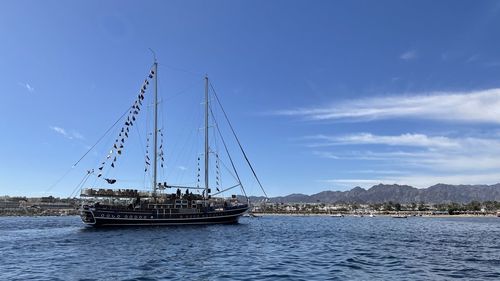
(323, 94)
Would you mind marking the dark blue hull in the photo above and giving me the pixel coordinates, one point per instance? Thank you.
(107, 217)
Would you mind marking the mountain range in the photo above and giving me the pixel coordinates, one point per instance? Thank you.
(439, 193)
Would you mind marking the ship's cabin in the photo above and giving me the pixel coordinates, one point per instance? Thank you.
(133, 199)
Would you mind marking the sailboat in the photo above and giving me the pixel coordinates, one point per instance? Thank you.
(133, 207)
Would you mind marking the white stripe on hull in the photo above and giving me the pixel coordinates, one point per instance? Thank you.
(152, 224)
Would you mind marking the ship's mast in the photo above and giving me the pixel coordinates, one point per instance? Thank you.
(206, 137)
(155, 136)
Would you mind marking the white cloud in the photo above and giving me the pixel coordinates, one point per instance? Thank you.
(64, 133)
(31, 89)
(27, 87)
(407, 139)
(475, 106)
(473, 58)
(77, 135)
(432, 153)
(417, 159)
(59, 130)
(325, 154)
(182, 168)
(408, 55)
(419, 180)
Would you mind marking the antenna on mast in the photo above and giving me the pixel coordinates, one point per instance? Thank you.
(154, 54)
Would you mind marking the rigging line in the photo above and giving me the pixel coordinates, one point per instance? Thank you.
(216, 145)
(143, 147)
(177, 94)
(147, 174)
(140, 138)
(182, 70)
(229, 155)
(229, 188)
(163, 117)
(216, 129)
(99, 140)
(189, 152)
(237, 140)
(90, 149)
(228, 170)
(230, 173)
(60, 179)
(81, 183)
(182, 151)
(182, 146)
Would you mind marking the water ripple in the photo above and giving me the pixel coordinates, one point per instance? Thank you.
(267, 248)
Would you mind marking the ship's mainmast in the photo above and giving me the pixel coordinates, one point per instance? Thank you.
(155, 135)
(206, 138)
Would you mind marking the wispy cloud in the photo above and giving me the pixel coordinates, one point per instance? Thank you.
(472, 58)
(77, 135)
(72, 135)
(182, 168)
(59, 130)
(418, 159)
(408, 139)
(474, 106)
(408, 55)
(418, 180)
(27, 87)
(429, 152)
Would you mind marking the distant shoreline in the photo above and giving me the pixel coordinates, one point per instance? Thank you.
(57, 213)
(290, 215)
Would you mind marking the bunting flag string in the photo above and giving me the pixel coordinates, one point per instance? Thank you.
(198, 176)
(123, 135)
(111, 181)
(161, 149)
(217, 171)
(146, 160)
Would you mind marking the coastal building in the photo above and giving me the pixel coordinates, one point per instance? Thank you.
(9, 205)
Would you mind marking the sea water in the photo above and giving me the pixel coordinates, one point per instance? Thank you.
(264, 248)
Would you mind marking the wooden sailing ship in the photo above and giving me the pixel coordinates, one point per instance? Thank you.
(157, 206)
